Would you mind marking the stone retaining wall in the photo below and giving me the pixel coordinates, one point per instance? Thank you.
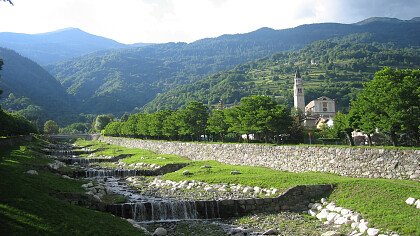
(355, 162)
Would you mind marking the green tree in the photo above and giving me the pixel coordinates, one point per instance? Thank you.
(51, 127)
(216, 124)
(101, 121)
(156, 122)
(259, 115)
(113, 129)
(342, 127)
(171, 126)
(192, 120)
(390, 102)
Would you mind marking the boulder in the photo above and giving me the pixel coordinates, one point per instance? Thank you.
(372, 232)
(363, 227)
(417, 203)
(410, 201)
(356, 217)
(331, 206)
(323, 214)
(331, 216)
(341, 221)
(160, 232)
(312, 212)
(32, 172)
(235, 172)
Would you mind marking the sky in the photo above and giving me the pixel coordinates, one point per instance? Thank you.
(160, 21)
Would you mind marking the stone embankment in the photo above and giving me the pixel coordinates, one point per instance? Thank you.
(355, 162)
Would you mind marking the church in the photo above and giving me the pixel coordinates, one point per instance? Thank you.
(316, 112)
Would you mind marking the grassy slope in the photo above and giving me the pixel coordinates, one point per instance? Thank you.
(138, 155)
(381, 201)
(28, 208)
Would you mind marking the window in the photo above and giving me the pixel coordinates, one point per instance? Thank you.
(324, 104)
(299, 90)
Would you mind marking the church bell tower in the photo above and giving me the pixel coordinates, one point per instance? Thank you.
(298, 94)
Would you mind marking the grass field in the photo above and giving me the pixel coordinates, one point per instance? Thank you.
(28, 205)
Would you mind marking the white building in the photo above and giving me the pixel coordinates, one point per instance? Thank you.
(320, 108)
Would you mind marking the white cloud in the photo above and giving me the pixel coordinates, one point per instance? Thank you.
(132, 21)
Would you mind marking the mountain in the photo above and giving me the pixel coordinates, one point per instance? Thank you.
(60, 45)
(121, 80)
(335, 68)
(29, 88)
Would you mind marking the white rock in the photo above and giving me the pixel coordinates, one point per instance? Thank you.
(247, 190)
(356, 217)
(341, 221)
(323, 200)
(345, 211)
(331, 216)
(331, 206)
(338, 209)
(410, 201)
(310, 205)
(315, 206)
(363, 227)
(417, 203)
(372, 232)
(312, 212)
(32, 172)
(331, 233)
(160, 232)
(323, 214)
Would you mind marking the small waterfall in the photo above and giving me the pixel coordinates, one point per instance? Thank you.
(92, 173)
(164, 210)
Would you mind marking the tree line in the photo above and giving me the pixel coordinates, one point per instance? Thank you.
(260, 116)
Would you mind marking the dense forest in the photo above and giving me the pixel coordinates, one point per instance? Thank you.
(335, 68)
(12, 124)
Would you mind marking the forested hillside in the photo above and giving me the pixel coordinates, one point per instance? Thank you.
(120, 81)
(335, 68)
(31, 90)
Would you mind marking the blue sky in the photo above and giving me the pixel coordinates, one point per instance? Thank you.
(158, 21)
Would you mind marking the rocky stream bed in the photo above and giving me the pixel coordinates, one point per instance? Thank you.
(164, 207)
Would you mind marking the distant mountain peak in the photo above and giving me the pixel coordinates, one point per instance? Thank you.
(379, 19)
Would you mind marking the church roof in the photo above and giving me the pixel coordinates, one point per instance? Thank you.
(297, 75)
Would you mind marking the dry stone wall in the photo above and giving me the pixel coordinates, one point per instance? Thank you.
(355, 162)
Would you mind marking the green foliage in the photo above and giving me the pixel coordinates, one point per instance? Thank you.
(192, 120)
(101, 121)
(51, 127)
(76, 128)
(390, 102)
(216, 124)
(12, 124)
